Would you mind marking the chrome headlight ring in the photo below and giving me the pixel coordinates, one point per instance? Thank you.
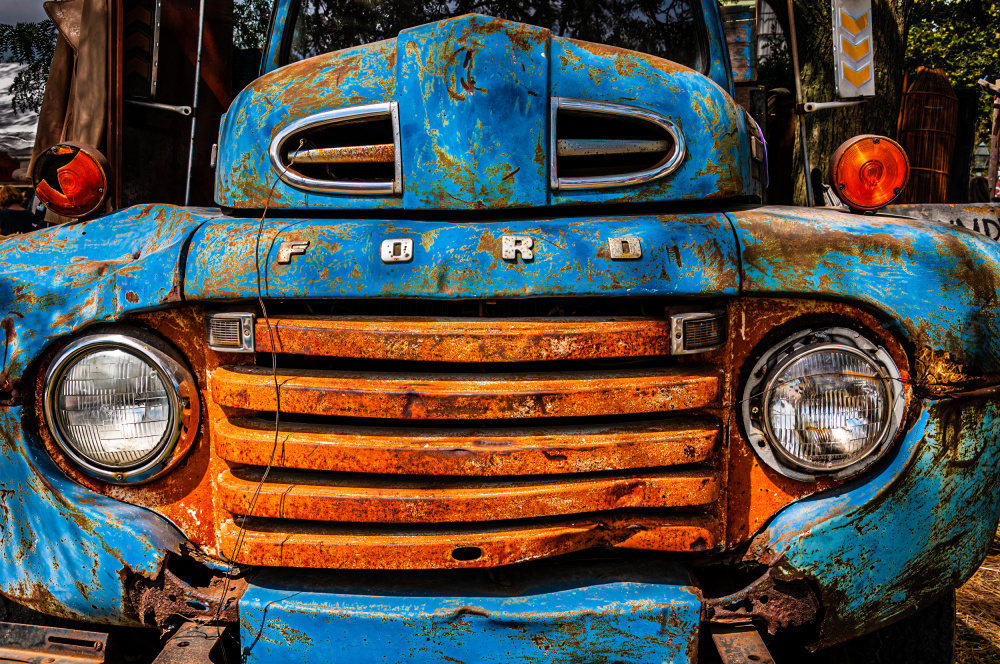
(766, 376)
(181, 392)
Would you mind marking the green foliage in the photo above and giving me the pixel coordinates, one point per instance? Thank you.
(30, 44)
(250, 23)
(775, 71)
(962, 37)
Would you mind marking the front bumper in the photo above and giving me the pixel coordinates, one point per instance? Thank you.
(538, 612)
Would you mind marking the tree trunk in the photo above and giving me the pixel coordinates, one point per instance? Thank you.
(826, 130)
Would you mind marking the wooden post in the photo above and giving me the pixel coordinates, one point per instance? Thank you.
(995, 150)
(991, 170)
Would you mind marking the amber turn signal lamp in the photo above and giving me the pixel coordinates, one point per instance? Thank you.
(71, 179)
(869, 172)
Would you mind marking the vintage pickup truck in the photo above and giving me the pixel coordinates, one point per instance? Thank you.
(490, 353)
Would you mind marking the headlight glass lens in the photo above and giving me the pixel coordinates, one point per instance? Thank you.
(113, 408)
(827, 408)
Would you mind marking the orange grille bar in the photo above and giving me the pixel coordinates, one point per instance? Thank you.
(468, 396)
(310, 544)
(381, 499)
(466, 340)
(512, 451)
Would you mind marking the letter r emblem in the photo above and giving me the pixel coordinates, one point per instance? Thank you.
(512, 245)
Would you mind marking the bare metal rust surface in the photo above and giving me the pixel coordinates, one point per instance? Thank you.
(302, 544)
(36, 644)
(234, 433)
(466, 340)
(468, 396)
(355, 154)
(512, 451)
(775, 603)
(350, 498)
(740, 644)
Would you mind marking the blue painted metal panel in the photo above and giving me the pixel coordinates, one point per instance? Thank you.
(719, 68)
(55, 282)
(280, 25)
(473, 95)
(296, 617)
(717, 164)
(354, 77)
(897, 537)
(68, 551)
(938, 285)
(682, 255)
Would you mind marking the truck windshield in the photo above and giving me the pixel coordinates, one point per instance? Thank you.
(670, 29)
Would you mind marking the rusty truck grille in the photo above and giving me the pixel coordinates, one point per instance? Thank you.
(455, 459)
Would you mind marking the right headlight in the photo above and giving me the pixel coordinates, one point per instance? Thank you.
(124, 410)
(822, 402)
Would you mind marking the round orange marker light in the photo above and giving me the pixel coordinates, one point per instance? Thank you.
(869, 172)
(71, 179)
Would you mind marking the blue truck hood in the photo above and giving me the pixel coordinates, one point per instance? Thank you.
(474, 96)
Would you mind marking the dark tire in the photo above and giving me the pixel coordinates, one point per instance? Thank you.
(927, 637)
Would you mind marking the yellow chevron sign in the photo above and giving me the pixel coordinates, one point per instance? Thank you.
(854, 48)
(858, 77)
(851, 24)
(855, 51)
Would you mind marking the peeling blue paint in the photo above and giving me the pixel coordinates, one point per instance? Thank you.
(68, 551)
(896, 538)
(474, 100)
(682, 255)
(551, 617)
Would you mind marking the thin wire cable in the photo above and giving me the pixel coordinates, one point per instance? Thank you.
(241, 535)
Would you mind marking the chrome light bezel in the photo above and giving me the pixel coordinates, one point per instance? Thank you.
(767, 371)
(181, 388)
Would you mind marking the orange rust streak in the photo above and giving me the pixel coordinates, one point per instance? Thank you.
(464, 340)
(354, 154)
(297, 544)
(513, 451)
(377, 499)
(468, 396)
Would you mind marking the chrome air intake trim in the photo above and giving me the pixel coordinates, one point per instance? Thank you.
(285, 153)
(670, 144)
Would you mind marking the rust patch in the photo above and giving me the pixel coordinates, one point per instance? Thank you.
(374, 547)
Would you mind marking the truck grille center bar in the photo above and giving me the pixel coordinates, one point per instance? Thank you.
(465, 469)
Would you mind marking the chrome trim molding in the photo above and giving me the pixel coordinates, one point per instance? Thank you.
(336, 116)
(173, 374)
(245, 330)
(597, 108)
(677, 341)
(765, 372)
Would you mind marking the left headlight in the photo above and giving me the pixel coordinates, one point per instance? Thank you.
(124, 410)
(823, 402)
